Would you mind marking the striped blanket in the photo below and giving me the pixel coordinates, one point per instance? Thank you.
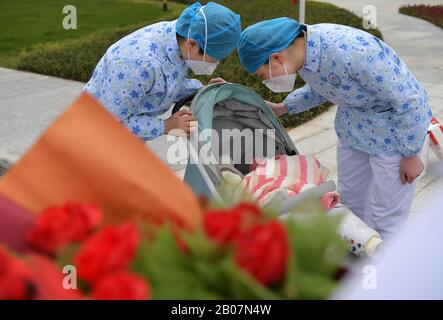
(287, 176)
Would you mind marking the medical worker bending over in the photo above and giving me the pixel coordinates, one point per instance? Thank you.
(143, 74)
(383, 111)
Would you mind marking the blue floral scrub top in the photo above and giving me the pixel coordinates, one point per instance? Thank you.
(382, 108)
(141, 76)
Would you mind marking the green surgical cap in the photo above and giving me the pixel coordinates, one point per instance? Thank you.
(223, 28)
(258, 41)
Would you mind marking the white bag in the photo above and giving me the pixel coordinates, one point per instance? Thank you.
(362, 239)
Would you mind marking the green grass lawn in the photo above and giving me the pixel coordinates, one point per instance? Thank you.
(24, 23)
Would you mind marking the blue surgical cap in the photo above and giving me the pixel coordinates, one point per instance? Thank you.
(223, 27)
(258, 41)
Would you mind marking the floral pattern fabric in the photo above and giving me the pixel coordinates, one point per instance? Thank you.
(141, 76)
(382, 108)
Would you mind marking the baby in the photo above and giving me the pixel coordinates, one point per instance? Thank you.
(283, 177)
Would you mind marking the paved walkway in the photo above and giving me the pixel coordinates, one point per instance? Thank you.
(420, 45)
(29, 102)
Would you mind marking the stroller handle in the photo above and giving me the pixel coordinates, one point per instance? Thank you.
(182, 102)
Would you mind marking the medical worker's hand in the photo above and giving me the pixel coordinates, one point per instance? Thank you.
(278, 108)
(182, 121)
(216, 80)
(410, 169)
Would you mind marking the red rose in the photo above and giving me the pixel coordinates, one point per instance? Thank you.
(223, 225)
(58, 226)
(49, 279)
(16, 278)
(248, 214)
(121, 286)
(110, 250)
(263, 252)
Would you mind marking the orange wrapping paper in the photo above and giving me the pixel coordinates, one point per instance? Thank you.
(86, 155)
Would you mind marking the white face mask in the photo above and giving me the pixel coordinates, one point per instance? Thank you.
(282, 83)
(202, 67)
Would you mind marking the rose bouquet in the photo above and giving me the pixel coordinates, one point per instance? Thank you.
(86, 213)
(242, 252)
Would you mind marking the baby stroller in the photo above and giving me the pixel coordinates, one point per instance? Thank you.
(228, 106)
(234, 107)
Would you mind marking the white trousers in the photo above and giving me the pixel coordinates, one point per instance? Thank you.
(370, 187)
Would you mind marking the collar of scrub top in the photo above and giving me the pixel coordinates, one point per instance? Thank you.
(174, 55)
(313, 46)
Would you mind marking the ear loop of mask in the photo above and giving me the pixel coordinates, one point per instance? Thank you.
(206, 33)
(270, 69)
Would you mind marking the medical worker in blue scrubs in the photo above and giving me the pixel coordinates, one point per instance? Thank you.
(144, 73)
(383, 111)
